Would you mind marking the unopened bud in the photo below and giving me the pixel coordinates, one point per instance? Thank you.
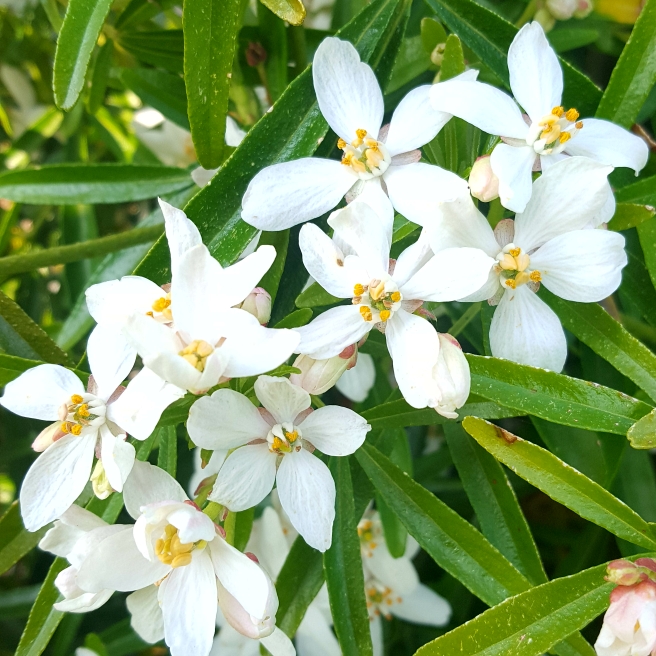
(451, 373)
(483, 184)
(437, 56)
(562, 9)
(258, 303)
(318, 376)
(624, 572)
(545, 18)
(101, 487)
(246, 624)
(583, 8)
(255, 54)
(47, 437)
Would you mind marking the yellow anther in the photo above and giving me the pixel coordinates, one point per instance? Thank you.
(181, 560)
(521, 278)
(171, 551)
(384, 315)
(515, 251)
(395, 296)
(535, 276)
(572, 115)
(76, 429)
(277, 443)
(551, 134)
(347, 158)
(376, 289)
(161, 304)
(76, 399)
(83, 410)
(149, 314)
(558, 111)
(361, 133)
(291, 436)
(341, 144)
(579, 125)
(196, 353)
(358, 290)
(371, 144)
(365, 311)
(564, 137)
(511, 283)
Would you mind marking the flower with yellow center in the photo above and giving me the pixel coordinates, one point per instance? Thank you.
(545, 131)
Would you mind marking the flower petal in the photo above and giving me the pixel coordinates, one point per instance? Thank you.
(513, 165)
(610, 144)
(188, 597)
(321, 259)
(332, 331)
(373, 195)
(525, 330)
(399, 574)
(347, 91)
(39, 392)
(377, 640)
(314, 636)
(355, 384)
(451, 274)
(140, 406)
(567, 197)
(278, 644)
(237, 281)
(281, 398)
(536, 78)
(240, 421)
(307, 494)
(482, 105)
(582, 265)
(149, 484)
(71, 526)
(147, 619)
(284, 195)
(181, 233)
(412, 259)
(117, 457)
(113, 301)
(111, 358)
(416, 190)
(423, 606)
(55, 479)
(246, 477)
(415, 121)
(334, 430)
(269, 542)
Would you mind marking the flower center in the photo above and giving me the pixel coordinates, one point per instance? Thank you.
(368, 537)
(366, 156)
(285, 438)
(196, 353)
(513, 267)
(549, 135)
(161, 309)
(378, 300)
(80, 411)
(379, 600)
(172, 552)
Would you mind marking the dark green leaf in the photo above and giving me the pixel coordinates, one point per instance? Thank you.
(164, 48)
(15, 540)
(315, 296)
(167, 458)
(280, 241)
(642, 192)
(454, 59)
(296, 319)
(100, 76)
(629, 215)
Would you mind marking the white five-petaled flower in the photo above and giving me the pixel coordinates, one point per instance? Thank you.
(547, 244)
(351, 101)
(392, 586)
(193, 335)
(275, 444)
(548, 134)
(355, 264)
(85, 423)
(175, 561)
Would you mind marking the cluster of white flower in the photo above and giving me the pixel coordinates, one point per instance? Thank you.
(207, 327)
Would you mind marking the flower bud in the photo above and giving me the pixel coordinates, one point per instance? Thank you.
(451, 373)
(47, 437)
(624, 572)
(258, 303)
(318, 376)
(240, 620)
(562, 9)
(584, 8)
(544, 17)
(483, 184)
(99, 481)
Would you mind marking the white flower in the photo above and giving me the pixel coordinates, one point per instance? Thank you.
(28, 110)
(202, 473)
(355, 264)
(392, 586)
(258, 303)
(170, 143)
(318, 376)
(192, 336)
(85, 423)
(547, 244)
(356, 383)
(548, 134)
(451, 374)
(629, 627)
(562, 9)
(483, 184)
(351, 101)
(176, 562)
(285, 436)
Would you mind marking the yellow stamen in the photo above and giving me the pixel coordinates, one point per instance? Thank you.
(535, 276)
(161, 304)
(564, 137)
(377, 289)
(149, 314)
(384, 315)
(551, 134)
(558, 111)
(341, 144)
(76, 429)
(365, 311)
(395, 296)
(361, 133)
(277, 444)
(83, 410)
(358, 290)
(346, 160)
(515, 251)
(76, 399)
(572, 115)
(171, 551)
(511, 283)
(291, 437)
(579, 125)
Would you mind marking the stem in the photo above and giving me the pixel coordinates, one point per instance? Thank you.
(495, 213)
(79, 251)
(230, 525)
(527, 14)
(212, 510)
(465, 319)
(299, 47)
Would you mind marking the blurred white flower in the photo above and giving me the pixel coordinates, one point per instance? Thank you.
(562, 9)
(20, 87)
(356, 383)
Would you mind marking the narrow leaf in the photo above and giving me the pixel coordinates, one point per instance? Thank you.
(291, 11)
(167, 458)
(15, 540)
(630, 215)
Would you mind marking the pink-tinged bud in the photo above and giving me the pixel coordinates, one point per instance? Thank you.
(562, 9)
(258, 303)
(630, 622)
(252, 556)
(583, 8)
(648, 563)
(624, 572)
(451, 374)
(318, 376)
(47, 437)
(483, 184)
(240, 620)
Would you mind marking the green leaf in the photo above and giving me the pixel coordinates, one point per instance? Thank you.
(210, 38)
(642, 435)
(77, 38)
(243, 527)
(167, 458)
(643, 192)
(647, 235)
(271, 279)
(296, 319)
(561, 482)
(608, 338)
(315, 296)
(630, 215)
(566, 39)
(20, 336)
(292, 11)
(490, 36)
(634, 74)
(343, 569)
(100, 76)
(11, 367)
(163, 91)
(293, 129)
(494, 501)
(274, 37)
(432, 34)
(67, 184)
(163, 48)
(530, 623)
(454, 59)
(15, 540)
(554, 397)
